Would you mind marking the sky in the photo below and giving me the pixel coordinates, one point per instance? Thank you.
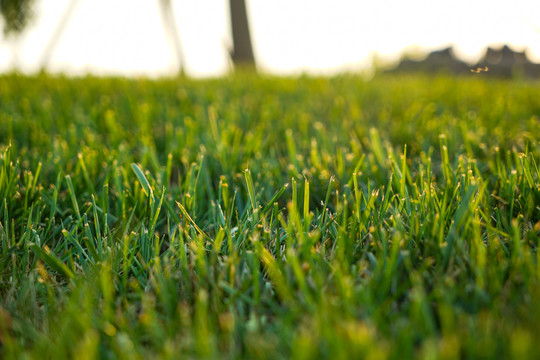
(126, 37)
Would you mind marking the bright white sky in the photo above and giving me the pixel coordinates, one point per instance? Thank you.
(126, 37)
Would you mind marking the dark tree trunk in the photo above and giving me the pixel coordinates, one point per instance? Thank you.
(242, 53)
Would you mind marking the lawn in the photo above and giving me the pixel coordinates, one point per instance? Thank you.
(262, 217)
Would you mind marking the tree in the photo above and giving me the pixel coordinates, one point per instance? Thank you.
(16, 15)
(242, 53)
(171, 28)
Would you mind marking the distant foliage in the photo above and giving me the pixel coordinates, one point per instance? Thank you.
(16, 15)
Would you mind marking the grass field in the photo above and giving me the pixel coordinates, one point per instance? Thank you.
(257, 217)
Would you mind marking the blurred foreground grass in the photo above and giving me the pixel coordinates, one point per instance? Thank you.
(253, 217)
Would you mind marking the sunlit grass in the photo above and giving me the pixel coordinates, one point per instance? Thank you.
(271, 218)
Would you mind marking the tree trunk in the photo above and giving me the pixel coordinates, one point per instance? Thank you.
(58, 31)
(171, 28)
(242, 53)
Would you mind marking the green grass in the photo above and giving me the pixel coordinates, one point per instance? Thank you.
(257, 217)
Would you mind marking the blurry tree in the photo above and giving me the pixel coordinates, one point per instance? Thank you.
(242, 52)
(57, 34)
(171, 28)
(16, 14)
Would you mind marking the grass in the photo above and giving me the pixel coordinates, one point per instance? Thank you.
(255, 217)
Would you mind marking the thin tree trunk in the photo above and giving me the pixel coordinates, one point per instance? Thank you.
(171, 28)
(242, 53)
(48, 51)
